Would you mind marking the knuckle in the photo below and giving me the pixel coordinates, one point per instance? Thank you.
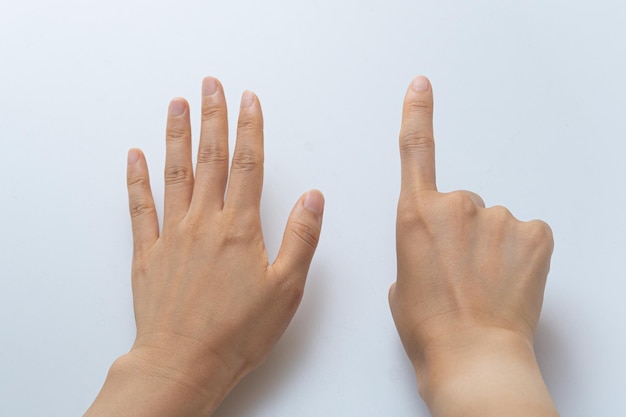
(212, 112)
(247, 124)
(408, 216)
(540, 233)
(177, 174)
(293, 293)
(420, 106)
(478, 200)
(140, 208)
(229, 230)
(460, 202)
(176, 133)
(137, 182)
(195, 229)
(501, 214)
(232, 236)
(139, 266)
(413, 211)
(235, 229)
(291, 287)
(245, 159)
(212, 155)
(306, 233)
(416, 141)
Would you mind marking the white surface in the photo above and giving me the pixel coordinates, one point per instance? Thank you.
(530, 102)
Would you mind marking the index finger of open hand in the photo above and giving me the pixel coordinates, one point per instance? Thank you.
(417, 144)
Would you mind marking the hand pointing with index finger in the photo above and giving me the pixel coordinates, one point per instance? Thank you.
(469, 287)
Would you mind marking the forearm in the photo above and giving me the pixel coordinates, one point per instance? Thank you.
(498, 376)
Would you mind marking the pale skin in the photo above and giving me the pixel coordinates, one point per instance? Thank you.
(209, 305)
(469, 288)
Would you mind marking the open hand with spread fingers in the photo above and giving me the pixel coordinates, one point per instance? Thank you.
(208, 305)
(469, 287)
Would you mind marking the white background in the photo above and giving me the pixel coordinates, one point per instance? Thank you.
(530, 102)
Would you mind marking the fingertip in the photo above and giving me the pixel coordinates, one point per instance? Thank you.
(420, 84)
(210, 86)
(419, 97)
(247, 99)
(177, 106)
(314, 201)
(136, 168)
(392, 291)
(135, 164)
(134, 155)
(250, 113)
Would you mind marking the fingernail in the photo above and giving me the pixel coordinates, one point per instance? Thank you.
(133, 156)
(177, 107)
(314, 201)
(247, 99)
(420, 84)
(209, 86)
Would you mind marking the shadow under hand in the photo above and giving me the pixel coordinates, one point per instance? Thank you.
(264, 384)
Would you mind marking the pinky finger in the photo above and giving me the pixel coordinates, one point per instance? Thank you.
(143, 215)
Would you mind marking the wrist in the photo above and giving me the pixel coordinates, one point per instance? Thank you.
(491, 371)
(457, 353)
(147, 383)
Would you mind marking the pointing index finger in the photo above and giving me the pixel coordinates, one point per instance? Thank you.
(417, 144)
